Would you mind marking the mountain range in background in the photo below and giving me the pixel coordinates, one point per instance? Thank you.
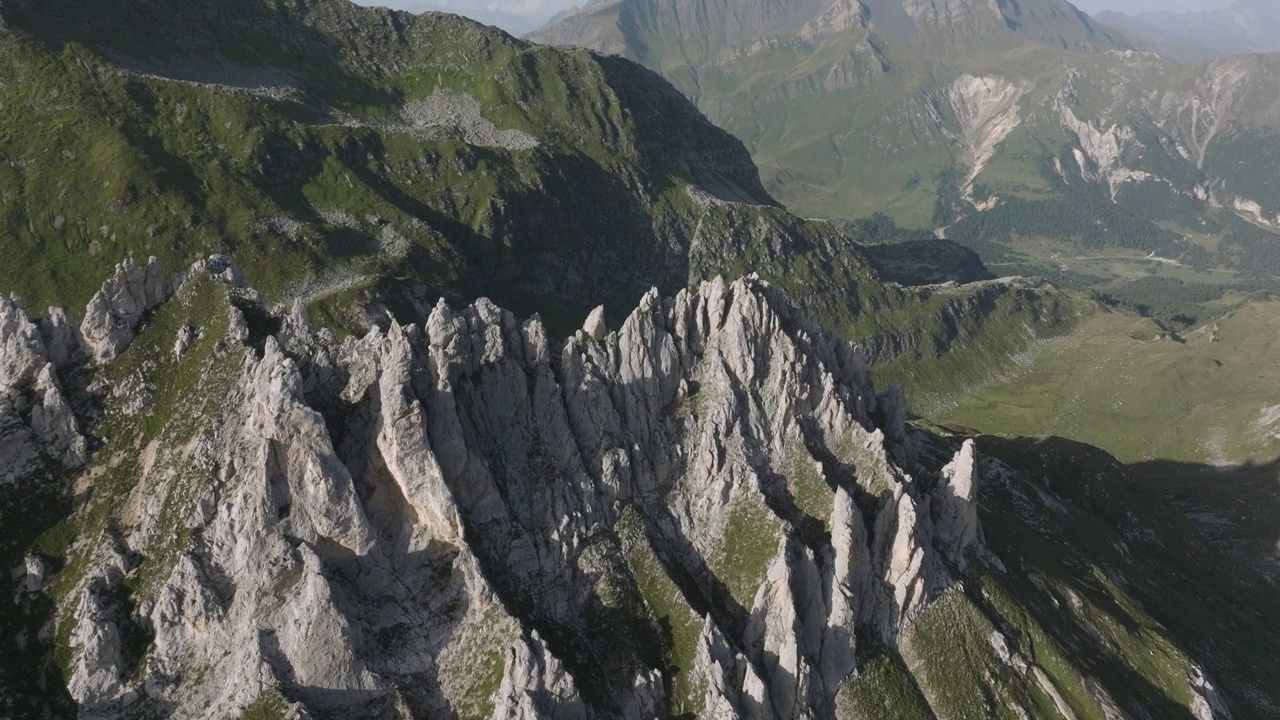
(1094, 7)
(1188, 31)
(1243, 27)
(1032, 133)
(514, 23)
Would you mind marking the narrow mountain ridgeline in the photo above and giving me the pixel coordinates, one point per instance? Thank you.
(708, 512)
(1024, 130)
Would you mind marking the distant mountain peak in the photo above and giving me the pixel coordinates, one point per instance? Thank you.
(1244, 27)
(639, 27)
(1051, 22)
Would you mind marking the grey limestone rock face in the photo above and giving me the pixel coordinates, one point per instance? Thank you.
(1207, 704)
(955, 506)
(53, 422)
(22, 355)
(431, 519)
(59, 337)
(115, 311)
(34, 575)
(35, 418)
(100, 671)
(535, 686)
(22, 347)
(595, 327)
(19, 453)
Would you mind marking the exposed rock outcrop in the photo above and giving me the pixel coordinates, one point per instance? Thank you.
(535, 686)
(955, 505)
(59, 337)
(986, 112)
(356, 521)
(1207, 703)
(54, 424)
(708, 511)
(115, 311)
(594, 326)
(35, 419)
(22, 349)
(19, 453)
(459, 113)
(100, 669)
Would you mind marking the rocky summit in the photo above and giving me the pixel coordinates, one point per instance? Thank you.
(361, 526)
(708, 511)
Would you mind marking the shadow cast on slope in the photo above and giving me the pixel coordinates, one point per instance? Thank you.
(237, 43)
(31, 683)
(1237, 507)
(1093, 546)
(568, 239)
(414, 612)
(662, 116)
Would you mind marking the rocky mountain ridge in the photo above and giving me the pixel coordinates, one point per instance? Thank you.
(477, 453)
(709, 511)
(341, 497)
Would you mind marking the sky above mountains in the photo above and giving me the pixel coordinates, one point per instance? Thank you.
(521, 16)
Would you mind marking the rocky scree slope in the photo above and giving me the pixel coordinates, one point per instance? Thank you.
(994, 134)
(708, 512)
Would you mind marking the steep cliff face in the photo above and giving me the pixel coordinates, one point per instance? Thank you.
(710, 510)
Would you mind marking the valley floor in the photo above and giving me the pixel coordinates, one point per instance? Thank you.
(1194, 417)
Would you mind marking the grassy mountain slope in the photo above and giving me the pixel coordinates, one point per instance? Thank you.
(1131, 387)
(1102, 552)
(369, 162)
(1194, 416)
(337, 150)
(1003, 138)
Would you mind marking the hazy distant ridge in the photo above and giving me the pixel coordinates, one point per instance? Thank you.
(1242, 28)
